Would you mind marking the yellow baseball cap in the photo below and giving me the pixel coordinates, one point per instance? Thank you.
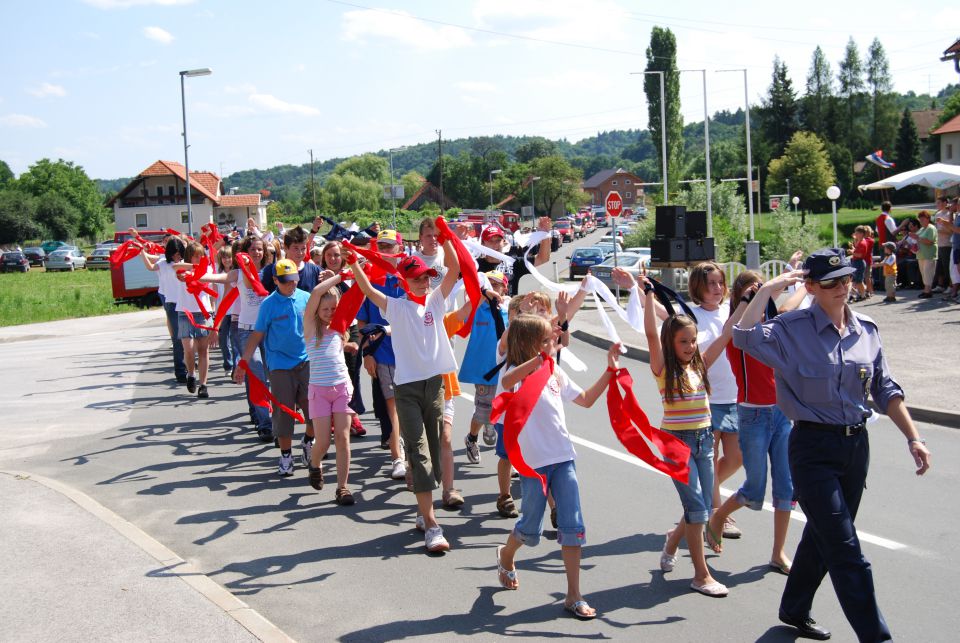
(389, 236)
(286, 271)
(496, 275)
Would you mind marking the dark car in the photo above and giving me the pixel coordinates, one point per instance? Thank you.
(36, 256)
(99, 259)
(14, 261)
(53, 246)
(583, 259)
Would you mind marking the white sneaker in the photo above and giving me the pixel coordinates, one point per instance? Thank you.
(667, 561)
(421, 524)
(435, 541)
(489, 435)
(306, 448)
(937, 289)
(399, 470)
(285, 468)
(473, 450)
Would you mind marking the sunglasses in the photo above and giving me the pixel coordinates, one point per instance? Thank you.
(830, 284)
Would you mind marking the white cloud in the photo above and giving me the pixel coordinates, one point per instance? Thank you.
(126, 4)
(47, 89)
(160, 35)
(21, 120)
(598, 22)
(401, 27)
(476, 87)
(271, 103)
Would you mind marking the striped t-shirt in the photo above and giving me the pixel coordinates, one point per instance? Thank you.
(327, 365)
(688, 413)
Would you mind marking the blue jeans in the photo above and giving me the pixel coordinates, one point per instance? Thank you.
(226, 349)
(697, 496)
(258, 414)
(723, 417)
(763, 431)
(562, 482)
(179, 366)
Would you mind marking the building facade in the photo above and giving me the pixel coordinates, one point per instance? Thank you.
(628, 184)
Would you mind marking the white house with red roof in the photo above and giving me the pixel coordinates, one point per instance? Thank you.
(156, 200)
(949, 134)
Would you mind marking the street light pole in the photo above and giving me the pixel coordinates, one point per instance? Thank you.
(188, 73)
(393, 189)
(663, 128)
(492, 172)
(746, 113)
(833, 193)
(706, 145)
(533, 203)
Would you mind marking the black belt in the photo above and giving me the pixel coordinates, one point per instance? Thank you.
(843, 429)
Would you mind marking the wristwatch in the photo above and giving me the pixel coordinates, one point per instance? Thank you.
(920, 440)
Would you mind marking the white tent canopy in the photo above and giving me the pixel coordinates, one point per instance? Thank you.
(939, 176)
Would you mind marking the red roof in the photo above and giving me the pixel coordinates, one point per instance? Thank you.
(950, 127)
(206, 183)
(953, 49)
(239, 200)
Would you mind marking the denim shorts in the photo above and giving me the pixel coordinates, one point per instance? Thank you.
(765, 431)
(859, 269)
(482, 401)
(500, 449)
(723, 418)
(186, 330)
(562, 482)
(697, 495)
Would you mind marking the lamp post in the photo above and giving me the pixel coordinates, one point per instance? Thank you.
(795, 200)
(533, 203)
(833, 193)
(706, 145)
(663, 129)
(492, 172)
(746, 113)
(188, 73)
(393, 189)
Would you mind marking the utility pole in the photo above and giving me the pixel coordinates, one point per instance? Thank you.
(313, 186)
(440, 161)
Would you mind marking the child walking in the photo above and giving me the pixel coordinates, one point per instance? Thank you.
(196, 341)
(330, 388)
(546, 447)
(890, 271)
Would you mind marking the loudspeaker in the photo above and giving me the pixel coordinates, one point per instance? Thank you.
(668, 250)
(671, 221)
(696, 224)
(700, 249)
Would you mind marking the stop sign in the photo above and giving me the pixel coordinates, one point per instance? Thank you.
(613, 203)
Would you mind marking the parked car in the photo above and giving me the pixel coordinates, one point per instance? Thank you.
(640, 211)
(99, 259)
(65, 260)
(14, 261)
(628, 261)
(35, 256)
(583, 258)
(564, 228)
(607, 247)
(50, 246)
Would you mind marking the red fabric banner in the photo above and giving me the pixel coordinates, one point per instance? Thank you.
(260, 395)
(629, 422)
(221, 311)
(471, 280)
(128, 250)
(245, 262)
(195, 287)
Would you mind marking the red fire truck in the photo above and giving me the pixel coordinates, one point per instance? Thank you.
(132, 282)
(506, 219)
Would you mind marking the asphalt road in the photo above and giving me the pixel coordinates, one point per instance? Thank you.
(93, 406)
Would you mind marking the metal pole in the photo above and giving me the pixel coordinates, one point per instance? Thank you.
(491, 190)
(186, 156)
(533, 201)
(706, 136)
(833, 205)
(663, 134)
(746, 107)
(393, 197)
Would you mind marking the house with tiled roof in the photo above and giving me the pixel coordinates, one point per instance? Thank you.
(953, 53)
(925, 119)
(949, 134)
(156, 199)
(428, 193)
(628, 184)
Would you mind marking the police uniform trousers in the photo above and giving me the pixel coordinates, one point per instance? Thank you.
(829, 472)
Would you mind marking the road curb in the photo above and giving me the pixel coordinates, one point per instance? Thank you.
(940, 417)
(174, 565)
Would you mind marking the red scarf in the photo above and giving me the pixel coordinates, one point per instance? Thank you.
(195, 287)
(152, 247)
(128, 250)
(516, 408)
(349, 304)
(221, 311)
(260, 395)
(471, 280)
(631, 426)
(209, 236)
(246, 266)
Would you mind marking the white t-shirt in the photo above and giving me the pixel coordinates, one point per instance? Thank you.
(435, 262)
(723, 384)
(249, 303)
(168, 282)
(544, 439)
(420, 342)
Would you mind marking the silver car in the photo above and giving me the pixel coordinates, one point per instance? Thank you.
(629, 261)
(69, 259)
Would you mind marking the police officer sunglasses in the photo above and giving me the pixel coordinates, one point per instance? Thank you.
(830, 284)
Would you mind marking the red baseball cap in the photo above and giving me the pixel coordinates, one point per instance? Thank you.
(413, 267)
(490, 232)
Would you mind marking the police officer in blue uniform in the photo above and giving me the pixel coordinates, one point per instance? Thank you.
(827, 359)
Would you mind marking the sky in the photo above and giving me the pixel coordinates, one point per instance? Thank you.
(97, 82)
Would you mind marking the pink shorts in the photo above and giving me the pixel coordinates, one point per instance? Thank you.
(327, 400)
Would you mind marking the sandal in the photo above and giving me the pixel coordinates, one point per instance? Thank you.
(581, 610)
(780, 568)
(714, 542)
(712, 589)
(506, 576)
(506, 506)
(343, 497)
(316, 477)
(452, 498)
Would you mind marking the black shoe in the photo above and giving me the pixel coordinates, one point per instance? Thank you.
(265, 435)
(202, 392)
(807, 627)
(925, 295)
(181, 379)
(192, 384)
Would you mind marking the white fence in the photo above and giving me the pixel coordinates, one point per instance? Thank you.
(732, 269)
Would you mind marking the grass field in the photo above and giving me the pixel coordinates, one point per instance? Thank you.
(847, 220)
(38, 296)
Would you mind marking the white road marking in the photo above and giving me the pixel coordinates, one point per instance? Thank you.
(880, 541)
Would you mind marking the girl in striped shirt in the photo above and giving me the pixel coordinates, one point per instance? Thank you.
(330, 388)
(681, 374)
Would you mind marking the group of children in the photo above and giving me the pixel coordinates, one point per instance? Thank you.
(308, 337)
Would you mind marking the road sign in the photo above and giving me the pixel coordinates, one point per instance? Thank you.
(613, 203)
(774, 203)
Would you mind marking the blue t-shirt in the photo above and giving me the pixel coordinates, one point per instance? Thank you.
(370, 314)
(309, 277)
(280, 319)
(481, 354)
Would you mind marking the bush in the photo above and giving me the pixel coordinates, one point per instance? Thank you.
(785, 235)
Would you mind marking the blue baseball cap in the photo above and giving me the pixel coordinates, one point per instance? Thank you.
(828, 263)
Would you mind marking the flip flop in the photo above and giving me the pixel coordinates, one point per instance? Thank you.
(579, 612)
(509, 574)
(780, 568)
(713, 590)
(714, 542)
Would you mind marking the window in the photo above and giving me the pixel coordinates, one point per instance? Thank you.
(159, 190)
(171, 191)
(184, 217)
(626, 181)
(949, 153)
(627, 195)
(141, 219)
(613, 182)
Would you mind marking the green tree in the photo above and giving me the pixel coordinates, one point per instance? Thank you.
(807, 164)
(537, 147)
(883, 108)
(56, 216)
(852, 99)
(815, 106)
(17, 212)
(780, 112)
(69, 181)
(729, 216)
(349, 192)
(559, 182)
(368, 167)
(908, 155)
(6, 174)
(662, 56)
(411, 182)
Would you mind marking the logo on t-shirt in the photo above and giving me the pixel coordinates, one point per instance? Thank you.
(554, 385)
(428, 319)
